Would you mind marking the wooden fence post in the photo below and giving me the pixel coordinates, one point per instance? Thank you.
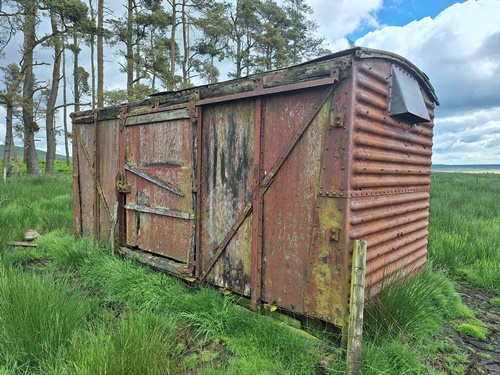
(355, 327)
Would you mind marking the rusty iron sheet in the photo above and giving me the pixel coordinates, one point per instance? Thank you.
(390, 177)
(326, 294)
(289, 202)
(84, 139)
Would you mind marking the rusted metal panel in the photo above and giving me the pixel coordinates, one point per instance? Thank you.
(84, 142)
(390, 175)
(289, 202)
(326, 296)
(260, 185)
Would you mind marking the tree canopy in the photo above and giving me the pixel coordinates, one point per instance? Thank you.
(158, 45)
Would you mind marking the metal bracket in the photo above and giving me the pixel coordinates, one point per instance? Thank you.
(121, 185)
(332, 234)
(191, 264)
(338, 120)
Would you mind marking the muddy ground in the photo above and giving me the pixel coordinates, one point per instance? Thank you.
(484, 355)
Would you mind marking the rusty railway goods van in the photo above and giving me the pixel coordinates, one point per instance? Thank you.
(260, 185)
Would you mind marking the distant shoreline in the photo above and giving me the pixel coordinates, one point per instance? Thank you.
(467, 168)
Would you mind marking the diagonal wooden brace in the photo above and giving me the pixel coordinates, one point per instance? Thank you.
(222, 246)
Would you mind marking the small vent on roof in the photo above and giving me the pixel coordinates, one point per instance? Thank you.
(407, 103)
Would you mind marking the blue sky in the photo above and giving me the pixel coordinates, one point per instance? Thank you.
(456, 43)
(400, 13)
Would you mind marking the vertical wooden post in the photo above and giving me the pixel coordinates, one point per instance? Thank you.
(355, 327)
(97, 168)
(121, 196)
(77, 203)
(258, 206)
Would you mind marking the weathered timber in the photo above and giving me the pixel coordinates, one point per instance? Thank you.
(160, 211)
(153, 261)
(155, 180)
(21, 244)
(355, 328)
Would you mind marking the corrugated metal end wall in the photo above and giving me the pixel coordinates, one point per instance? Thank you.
(389, 179)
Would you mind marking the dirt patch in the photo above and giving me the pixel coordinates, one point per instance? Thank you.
(483, 356)
(489, 350)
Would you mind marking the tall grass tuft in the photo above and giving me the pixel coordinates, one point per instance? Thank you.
(37, 316)
(413, 306)
(135, 344)
(391, 357)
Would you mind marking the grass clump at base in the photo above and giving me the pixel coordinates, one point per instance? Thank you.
(391, 357)
(495, 302)
(134, 344)
(402, 327)
(472, 330)
(38, 316)
(414, 305)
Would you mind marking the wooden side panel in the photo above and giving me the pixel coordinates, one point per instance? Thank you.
(108, 168)
(227, 182)
(159, 169)
(85, 141)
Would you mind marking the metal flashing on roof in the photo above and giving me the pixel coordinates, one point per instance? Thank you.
(406, 103)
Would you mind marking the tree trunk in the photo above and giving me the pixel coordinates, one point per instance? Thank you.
(76, 85)
(100, 54)
(30, 126)
(92, 55)
(13, 152)
(8, 139)
(185, 42)
(130, 50)
(65, 108)
(172, 46)
(50, 127)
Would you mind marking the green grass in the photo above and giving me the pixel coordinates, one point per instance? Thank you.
(464, 226)
(472, 330)
(105, 315)
(38, 316)
(134, 344)
(60, 167)
(414, 306)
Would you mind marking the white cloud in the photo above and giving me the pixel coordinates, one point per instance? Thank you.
(338, 18)
(471, 137)
(460, 51)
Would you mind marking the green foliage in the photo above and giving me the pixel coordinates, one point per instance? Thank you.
(413, 306)
(390, 357)
(148, 321)
(134, 344)
(120, 96)
(495, 301)
(472, 330)
(43, 204)
(38, 317)
(464, 226)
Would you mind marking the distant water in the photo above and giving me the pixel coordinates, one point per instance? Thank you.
(469, 168)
